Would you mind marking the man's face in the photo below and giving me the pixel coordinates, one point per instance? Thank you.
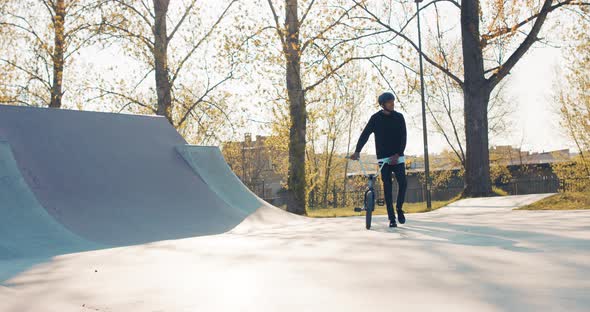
(389, 105)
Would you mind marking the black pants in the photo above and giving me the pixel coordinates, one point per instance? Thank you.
(400, 176)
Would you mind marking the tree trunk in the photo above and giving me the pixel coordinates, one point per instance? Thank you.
(330, 158)
(297, 112)
(326, 187)
(476, 91)
(58, 54)
(326, 170)
(477, 165)
(161, 60)
(334, 196)
(345, 184)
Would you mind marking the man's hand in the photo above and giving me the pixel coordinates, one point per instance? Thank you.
(354, 156)
(394, 159)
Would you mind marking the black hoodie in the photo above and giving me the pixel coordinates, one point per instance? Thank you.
(390, 134)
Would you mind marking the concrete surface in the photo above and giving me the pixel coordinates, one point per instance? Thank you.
(483, 258)
(78, 188)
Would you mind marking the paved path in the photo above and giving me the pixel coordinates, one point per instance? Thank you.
(476, 255)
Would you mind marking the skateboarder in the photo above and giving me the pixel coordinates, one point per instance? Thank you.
(389, 128)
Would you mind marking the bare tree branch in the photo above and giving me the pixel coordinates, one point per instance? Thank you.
(134, 10)
(524, 46)
(29, 30)
(200, 99)
(326, 29)
(186, 13)
(426, 57)
(485, 38)
(306, 12)
(278, 26)
(198, 44)
(335, 69)
(149, 43)
(28, 72)
(105, 92)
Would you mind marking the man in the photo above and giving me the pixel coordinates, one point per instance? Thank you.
(389, 128)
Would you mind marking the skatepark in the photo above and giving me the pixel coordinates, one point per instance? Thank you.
(115, 212)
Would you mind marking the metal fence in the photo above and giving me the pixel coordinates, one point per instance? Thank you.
(575, 185)
(520, 186)
(535, 185)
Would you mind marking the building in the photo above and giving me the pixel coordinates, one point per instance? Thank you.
(548, 157)
(502, 155)
(256, 166)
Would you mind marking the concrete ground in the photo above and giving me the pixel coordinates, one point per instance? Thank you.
(475, 255)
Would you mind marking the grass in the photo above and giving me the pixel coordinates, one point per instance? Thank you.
(562, 201)
(379, 210)
(498, 191)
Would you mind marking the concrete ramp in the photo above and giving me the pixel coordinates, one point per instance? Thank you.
(28, 234)
(26, 229)
(112, 179)
(208, 162)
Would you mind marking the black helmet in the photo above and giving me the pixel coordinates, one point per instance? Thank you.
(384, 97)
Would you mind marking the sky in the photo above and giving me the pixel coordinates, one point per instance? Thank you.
(535, 121)
(534, 115)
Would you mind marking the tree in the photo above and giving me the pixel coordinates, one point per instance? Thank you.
(250, 160)
(574, 99)
(8, 94)
(52, 33)
(489, 32)
(354, 94)
(331, 122)
(175, 42)
(444, 105)
(312, 51)
(344, 102)
(334, 113)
